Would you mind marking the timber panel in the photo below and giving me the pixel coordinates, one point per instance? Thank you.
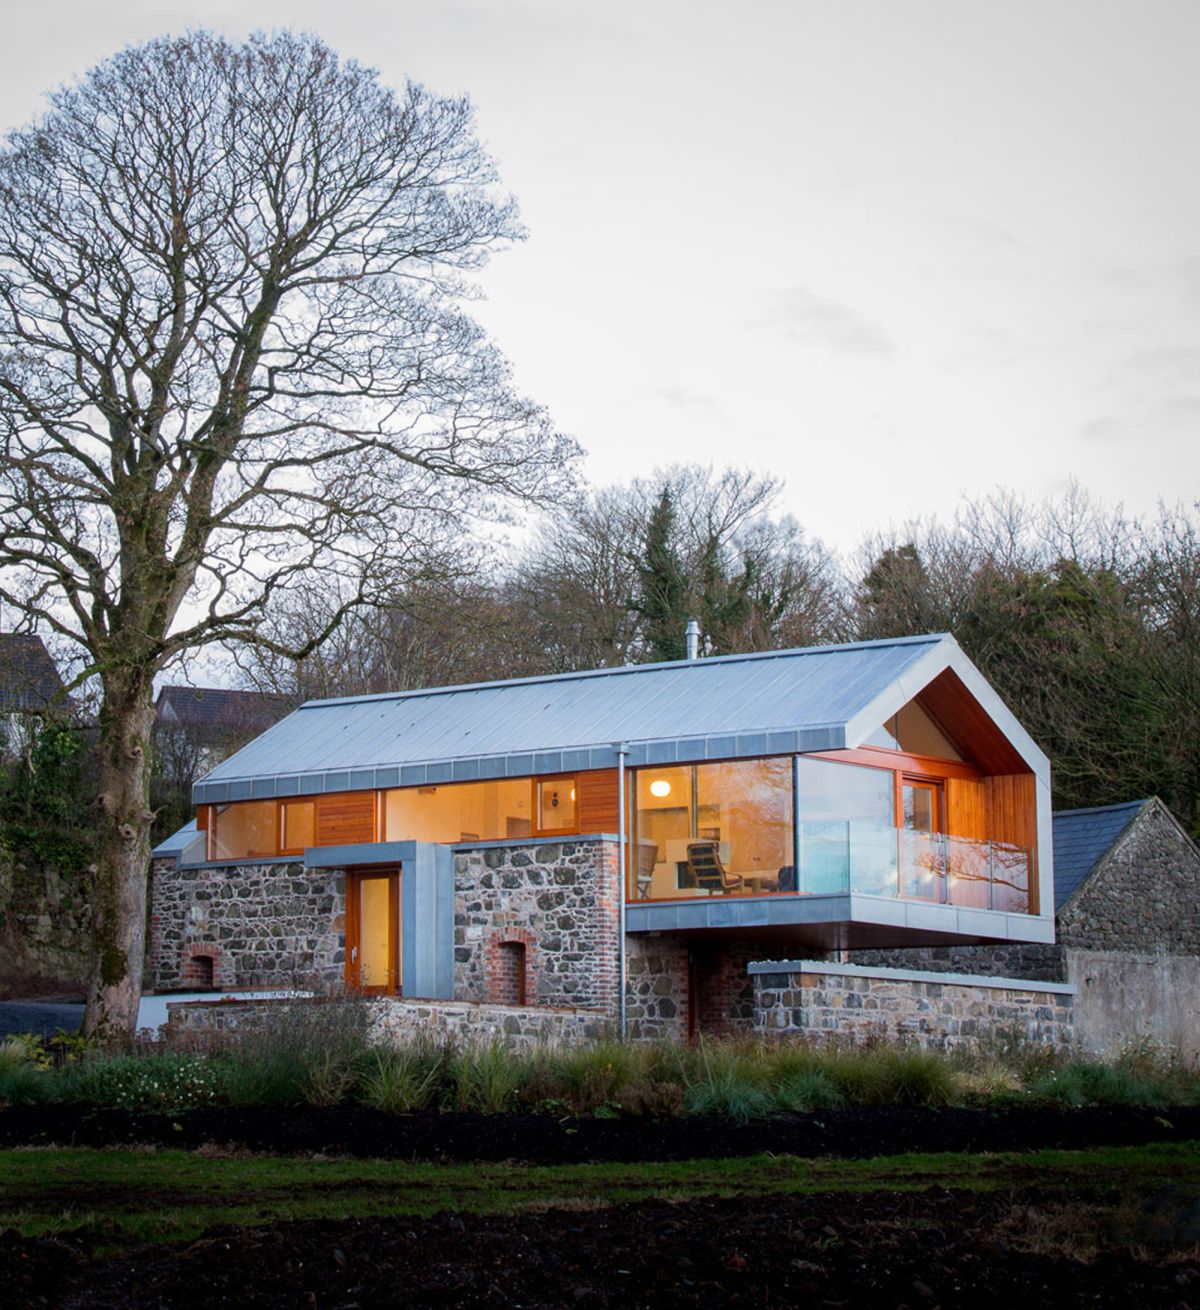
(598, 808)
(345, 817)
(1012, 818)
(966, 808)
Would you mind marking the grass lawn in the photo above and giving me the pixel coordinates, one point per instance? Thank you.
(122, 1198)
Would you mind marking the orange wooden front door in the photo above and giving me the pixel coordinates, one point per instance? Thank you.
(373, 933)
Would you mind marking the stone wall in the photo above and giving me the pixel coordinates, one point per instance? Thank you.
(937, 1011)
(45, 927)
(520, 1026)
(656, 988)
(1032, 960)
(208, 1024)
(272, 925)
(1143, 896)
(561, 901)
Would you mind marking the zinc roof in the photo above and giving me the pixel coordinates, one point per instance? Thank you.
(725, 707)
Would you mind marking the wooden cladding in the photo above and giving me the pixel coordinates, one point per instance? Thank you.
(599, 801)
(345, 817)
(966, 808)
(1012, 818)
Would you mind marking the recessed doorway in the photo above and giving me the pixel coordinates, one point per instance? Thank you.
(373, 932)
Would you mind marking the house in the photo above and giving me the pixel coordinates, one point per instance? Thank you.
(1127, 929)
(215, 720)
(30, 686)
(195, 728)
(628, 845)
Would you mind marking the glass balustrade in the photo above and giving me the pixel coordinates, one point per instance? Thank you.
(840, 856)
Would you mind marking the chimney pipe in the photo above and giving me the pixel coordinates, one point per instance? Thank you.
(693, 639)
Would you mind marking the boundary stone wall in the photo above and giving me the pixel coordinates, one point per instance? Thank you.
(391, 1019)
(935, 1010)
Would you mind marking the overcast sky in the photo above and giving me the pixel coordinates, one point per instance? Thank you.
(893, 251)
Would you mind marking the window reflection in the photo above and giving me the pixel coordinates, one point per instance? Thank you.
(243, 830)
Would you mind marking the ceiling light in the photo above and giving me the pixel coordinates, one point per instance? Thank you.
(660, 787)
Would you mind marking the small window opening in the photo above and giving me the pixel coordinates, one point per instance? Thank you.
(203, 971)
(511, 970)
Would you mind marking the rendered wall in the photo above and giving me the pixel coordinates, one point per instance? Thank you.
(1123, 998)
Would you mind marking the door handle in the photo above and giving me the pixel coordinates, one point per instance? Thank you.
(354, 955)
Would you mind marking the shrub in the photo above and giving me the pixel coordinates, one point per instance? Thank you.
(403, 1077)
(301, 1053)
(727, 1079)
(485, 1077)
(23, 1083)
(1088, 1082)
(808, 1089)
(587, 1077)
(161, 1082)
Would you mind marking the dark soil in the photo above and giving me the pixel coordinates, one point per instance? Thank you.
(543, 1139)
(936, 1248)
(1007, 1249)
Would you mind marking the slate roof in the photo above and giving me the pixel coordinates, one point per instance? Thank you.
(768, 703)
(1082, 838)
(217, 711)
(29, 679)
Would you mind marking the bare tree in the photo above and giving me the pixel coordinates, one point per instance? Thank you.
(233, 354)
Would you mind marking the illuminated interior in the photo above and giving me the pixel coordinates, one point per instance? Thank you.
(741, 810)
(243, 830)
(461, 811)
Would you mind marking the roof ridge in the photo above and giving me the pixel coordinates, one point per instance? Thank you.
(926, 639)
(1104, 809)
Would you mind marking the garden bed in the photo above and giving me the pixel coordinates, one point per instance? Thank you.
(353, 1130)
(928, 1248)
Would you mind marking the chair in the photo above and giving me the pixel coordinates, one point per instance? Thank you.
(647, 858)
(704, 864)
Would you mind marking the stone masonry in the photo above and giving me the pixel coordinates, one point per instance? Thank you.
(561, 901)
(936, 1011)
(205, 1024)
(1142, 896)
(656, 988)
(262, 925)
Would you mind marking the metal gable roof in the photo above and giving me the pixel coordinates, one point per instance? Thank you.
(772, 702)
(1082, 838)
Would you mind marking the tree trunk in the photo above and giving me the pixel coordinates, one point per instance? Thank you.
(123, 858)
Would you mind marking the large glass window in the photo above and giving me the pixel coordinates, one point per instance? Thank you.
(712, 829)
(847, 834)
(466, 811)
(243, 830)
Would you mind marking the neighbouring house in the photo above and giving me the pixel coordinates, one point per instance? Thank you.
(1127, 911)
(670, 847)
(214, 721)
(195, 728)
(30, 688)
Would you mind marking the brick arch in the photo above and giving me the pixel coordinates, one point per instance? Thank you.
(204, 965)
(511, 967)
